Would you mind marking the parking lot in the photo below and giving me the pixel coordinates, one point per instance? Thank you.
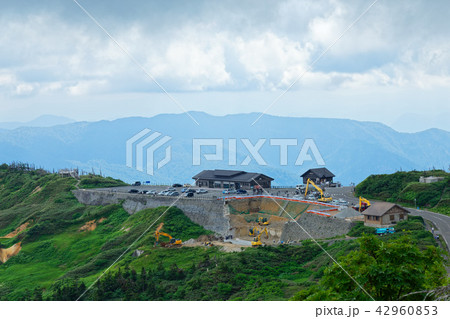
(344, 193)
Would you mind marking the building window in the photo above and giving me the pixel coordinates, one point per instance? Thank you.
(377, 217)
(391, 217)
(401, 216)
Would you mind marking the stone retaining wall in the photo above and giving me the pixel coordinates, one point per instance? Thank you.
(211, 214)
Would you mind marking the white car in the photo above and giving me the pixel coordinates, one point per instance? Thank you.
(163, 193)
(201, 191)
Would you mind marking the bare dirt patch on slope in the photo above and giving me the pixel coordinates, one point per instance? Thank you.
(91, 225)
(7, 253)
(17, 231)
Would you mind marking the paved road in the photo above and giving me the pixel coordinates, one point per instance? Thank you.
(442, 222)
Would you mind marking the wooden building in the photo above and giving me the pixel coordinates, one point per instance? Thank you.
(318, 175)
(219, 178)
(382, 214)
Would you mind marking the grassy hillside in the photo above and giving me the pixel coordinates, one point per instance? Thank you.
(404, 188)
(63, 253)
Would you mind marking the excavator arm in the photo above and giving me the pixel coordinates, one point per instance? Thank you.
(363, 200)
(158, 233)
(322, 198)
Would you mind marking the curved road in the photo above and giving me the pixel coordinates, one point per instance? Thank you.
(442, 222)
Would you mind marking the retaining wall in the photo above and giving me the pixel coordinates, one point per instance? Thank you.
(212, 214)
(316, 226)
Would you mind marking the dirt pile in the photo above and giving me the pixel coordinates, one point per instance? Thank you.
(7, 253)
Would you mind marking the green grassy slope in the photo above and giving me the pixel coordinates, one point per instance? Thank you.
(404, 187)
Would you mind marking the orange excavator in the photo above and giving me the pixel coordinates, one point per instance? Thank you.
(172, 241)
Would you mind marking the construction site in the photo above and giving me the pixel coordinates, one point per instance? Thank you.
(244, 220)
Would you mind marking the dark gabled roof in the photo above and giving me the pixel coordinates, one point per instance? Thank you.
(381, 208)
(229, 175)
(319, 172)
(226, 173)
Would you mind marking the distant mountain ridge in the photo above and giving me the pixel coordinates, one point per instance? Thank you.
(352, 150)
(41, 121)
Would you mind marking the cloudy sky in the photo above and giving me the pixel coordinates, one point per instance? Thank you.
(221, 57)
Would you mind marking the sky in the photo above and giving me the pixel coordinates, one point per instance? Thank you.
(387, 61)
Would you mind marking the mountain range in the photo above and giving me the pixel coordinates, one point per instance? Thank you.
(352, 150)
(41, 121)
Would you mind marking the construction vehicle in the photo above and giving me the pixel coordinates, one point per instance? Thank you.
(172, 241)
(253, 231)
(322, 198)
(263, 221)
(257, 240)
(363, 204)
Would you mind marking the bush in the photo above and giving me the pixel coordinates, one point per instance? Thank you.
(359, 229)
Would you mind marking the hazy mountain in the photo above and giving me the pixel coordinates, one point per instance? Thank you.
(41, 121)
(421, 122)
(352, 150)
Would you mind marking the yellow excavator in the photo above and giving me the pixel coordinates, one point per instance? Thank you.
(172, 241)
(257, 240)
(362, 201)
(253, 231)
(321, 198)
(263, 221)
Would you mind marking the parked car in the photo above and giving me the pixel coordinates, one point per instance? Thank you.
(229, 191)
(133, 191)
(170, 189)
(184, 189)
(189, 194)
(191, 191)
(163, 193)
(173, 194)
(187, 185)
(241, 191)
(151, 192)
(201, 191)
(137, 184)
(177, 185)
(143, 192)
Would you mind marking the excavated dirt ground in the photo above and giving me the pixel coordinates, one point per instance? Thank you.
(244, 214)
(7, 253)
